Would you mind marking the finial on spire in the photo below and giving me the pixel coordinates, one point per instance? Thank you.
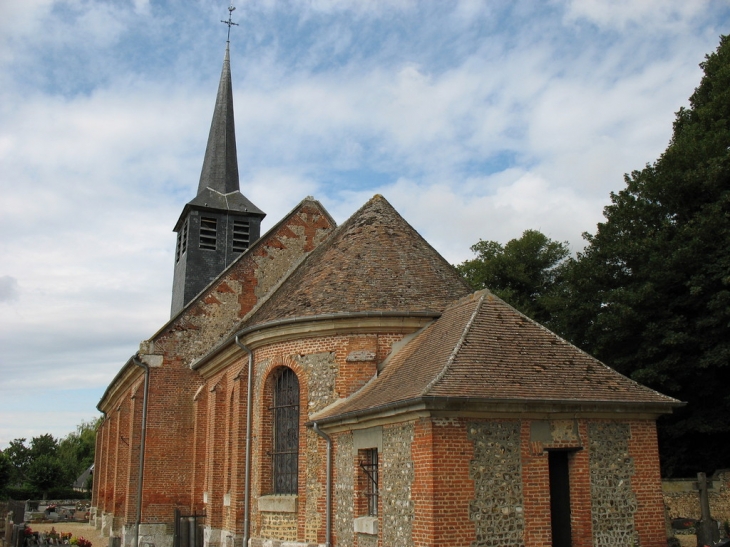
(230, 23)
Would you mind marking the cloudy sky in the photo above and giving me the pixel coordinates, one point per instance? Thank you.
(476, 119)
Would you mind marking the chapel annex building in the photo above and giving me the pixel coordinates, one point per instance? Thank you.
(342, 386)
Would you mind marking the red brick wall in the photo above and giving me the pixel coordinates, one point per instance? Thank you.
(535, 490)
(121, 475)
(135, 438)
(452, 488)
(170, 461)
(199, 452)
(580, 493)
(646, 484)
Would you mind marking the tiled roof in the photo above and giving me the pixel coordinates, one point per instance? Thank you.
(483, 349)
(374, 262)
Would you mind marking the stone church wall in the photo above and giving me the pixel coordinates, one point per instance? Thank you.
(328, 368)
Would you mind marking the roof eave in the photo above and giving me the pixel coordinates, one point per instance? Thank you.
(507, 406)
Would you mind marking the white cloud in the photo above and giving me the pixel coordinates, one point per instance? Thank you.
(646, 14)
(8, 289)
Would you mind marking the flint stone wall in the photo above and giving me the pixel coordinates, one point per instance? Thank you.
(681, 497)
(321, 370)
(281, 526)
(396, 476)
(613, 502)
(344, 493)
(497, 510)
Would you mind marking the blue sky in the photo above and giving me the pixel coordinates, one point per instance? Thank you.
(474, 119)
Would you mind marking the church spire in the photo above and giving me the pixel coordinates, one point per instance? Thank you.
(220, 165)
(219, 223)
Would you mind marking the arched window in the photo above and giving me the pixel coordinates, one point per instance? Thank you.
(286, 432)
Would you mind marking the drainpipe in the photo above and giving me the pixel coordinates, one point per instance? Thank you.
(328, 491)
(247, 472)
(146, 369)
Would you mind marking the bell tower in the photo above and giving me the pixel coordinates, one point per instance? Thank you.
(219, 223)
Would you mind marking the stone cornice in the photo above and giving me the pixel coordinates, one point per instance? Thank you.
(444, 407)
(309, 327)
(119, 386)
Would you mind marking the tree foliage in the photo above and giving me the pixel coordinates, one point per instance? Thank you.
(650, 295)
(6, 472)
(46, 472)
(19, 455)
(76, 450)
(525, 272)
(65, 459)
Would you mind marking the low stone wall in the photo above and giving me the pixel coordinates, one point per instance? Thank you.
(682, 499)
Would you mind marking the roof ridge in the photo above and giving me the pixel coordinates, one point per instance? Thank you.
(458, 346)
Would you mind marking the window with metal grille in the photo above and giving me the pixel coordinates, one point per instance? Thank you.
(182, 241)
(208, 233)
(286, 432)
(240, 236)
(369, 466)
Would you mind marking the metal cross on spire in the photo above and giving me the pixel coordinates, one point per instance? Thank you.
(229, 22)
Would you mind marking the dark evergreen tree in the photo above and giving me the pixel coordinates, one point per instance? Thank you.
(650, 295)
(6, 473)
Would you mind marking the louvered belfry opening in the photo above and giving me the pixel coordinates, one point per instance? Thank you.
(286, 432)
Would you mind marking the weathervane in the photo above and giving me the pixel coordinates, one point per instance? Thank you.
(229, 22)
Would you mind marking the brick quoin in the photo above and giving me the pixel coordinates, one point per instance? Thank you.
(580, 492)
(450, 486)
(535, 491)
(646, 483)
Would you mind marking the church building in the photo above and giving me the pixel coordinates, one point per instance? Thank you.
(325, 385)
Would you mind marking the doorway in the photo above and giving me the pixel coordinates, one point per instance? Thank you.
(559, 497)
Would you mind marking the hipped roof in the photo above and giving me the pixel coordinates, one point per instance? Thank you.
(482, 349)
(374, 262)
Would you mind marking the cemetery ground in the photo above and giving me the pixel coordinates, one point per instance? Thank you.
(77, 529)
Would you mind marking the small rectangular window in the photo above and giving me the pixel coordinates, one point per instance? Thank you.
(208, 233)
(369, 467)
(240, 236)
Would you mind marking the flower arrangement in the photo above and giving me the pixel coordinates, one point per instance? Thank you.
(81, 542)
(28, 531)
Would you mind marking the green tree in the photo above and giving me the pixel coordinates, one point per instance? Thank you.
(650, 295)
(76, 450)
(525, 272)
(43, 445)
(19, 456)
(46, 472)
(6, 472)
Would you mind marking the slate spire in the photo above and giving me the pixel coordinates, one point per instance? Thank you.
(219, 223)
(220, 165)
